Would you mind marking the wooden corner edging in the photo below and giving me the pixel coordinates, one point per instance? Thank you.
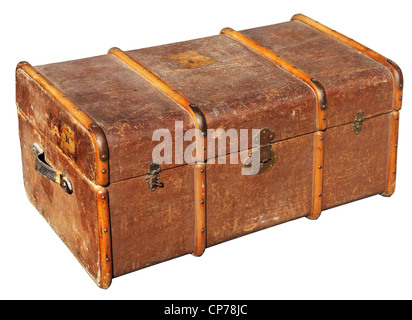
(319, 145)
(96, 132)
(104, 275)
(105, 242)
(393, 154)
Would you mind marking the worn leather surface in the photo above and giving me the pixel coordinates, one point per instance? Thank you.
(352, 81)
(239, 89)
(123, 104)
(72, 216)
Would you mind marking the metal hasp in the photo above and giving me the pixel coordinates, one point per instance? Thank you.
(357, 124)
(264, 152)
(49, 172)
(152, 178)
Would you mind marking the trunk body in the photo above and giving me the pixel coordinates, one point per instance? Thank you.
(326, 110)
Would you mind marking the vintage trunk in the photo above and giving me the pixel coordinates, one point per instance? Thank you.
(326, 110)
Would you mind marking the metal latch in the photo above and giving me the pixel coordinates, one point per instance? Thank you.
(152, 178)
(267, 156)
(357, 124)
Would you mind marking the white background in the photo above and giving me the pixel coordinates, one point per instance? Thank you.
(361, 250)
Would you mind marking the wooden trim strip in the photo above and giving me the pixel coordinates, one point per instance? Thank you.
(290, 68)
(105, 251)
(200, 205)
(398, 88)
(97, 134)
(190, 107)
(317, 175)
(392, 66)
(393, 152)
(200, 124)
(321, 111)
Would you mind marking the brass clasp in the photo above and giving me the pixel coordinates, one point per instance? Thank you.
(152, 178)
(357, 124)
(267, 156)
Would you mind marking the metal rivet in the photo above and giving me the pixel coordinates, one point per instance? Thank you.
(202, 230)
(201, 170)
(319, 194)
(202, 201)
(107, 260)
(397, 118)
(104, 171)
(320, 167)
(396, 145)
(400, 97)
(106, 230)
(321, 138)
(394, 172)
(103, 197)
(324, 118)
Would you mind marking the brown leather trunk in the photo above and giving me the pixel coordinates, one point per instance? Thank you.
(326, 110)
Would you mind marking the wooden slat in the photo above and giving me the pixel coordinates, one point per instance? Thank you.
(318, 175)
(393, 152)
(103, 225)
(398, 89)
(200, 124)
(289, 67)
(321, 108)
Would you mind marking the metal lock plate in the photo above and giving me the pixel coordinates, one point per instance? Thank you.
(357, 124)
(152, 178)
(267, 156)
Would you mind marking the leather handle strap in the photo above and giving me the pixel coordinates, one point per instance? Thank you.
(49, 172)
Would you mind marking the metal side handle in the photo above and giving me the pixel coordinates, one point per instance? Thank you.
(49, 172)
